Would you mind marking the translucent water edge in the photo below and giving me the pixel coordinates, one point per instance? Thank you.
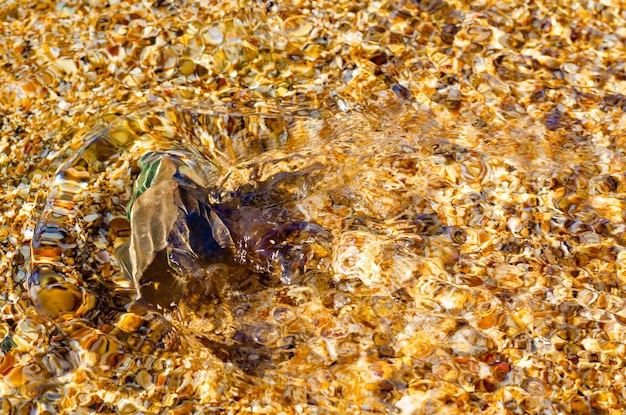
(216, 137)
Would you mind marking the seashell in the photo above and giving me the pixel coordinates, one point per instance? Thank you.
(213, 35)
(144, 379)
(514, 224)
(458, 236)
(479, 33)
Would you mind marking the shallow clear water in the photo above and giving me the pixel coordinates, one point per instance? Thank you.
(430, 219)
(206, 141)
(344, 244)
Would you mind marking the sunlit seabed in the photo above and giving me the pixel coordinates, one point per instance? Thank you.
(439, 279)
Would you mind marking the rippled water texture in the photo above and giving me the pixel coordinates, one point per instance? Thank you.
(346, 247)
(183, 153)
(399, 207)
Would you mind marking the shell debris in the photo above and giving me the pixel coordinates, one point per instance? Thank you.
(464, 165)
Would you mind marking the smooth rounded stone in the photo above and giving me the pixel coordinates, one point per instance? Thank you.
(144, 379)
(55, 297)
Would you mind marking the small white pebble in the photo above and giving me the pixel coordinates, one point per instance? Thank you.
(20, 276)
(64, 105)
(28, 234)
(91, 217)
(514, 223)
(103, 257)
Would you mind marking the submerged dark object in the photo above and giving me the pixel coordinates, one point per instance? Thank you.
(57, 286)
(176, 233)
(173, 228)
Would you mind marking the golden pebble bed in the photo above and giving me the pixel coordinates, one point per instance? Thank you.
(470, 172)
